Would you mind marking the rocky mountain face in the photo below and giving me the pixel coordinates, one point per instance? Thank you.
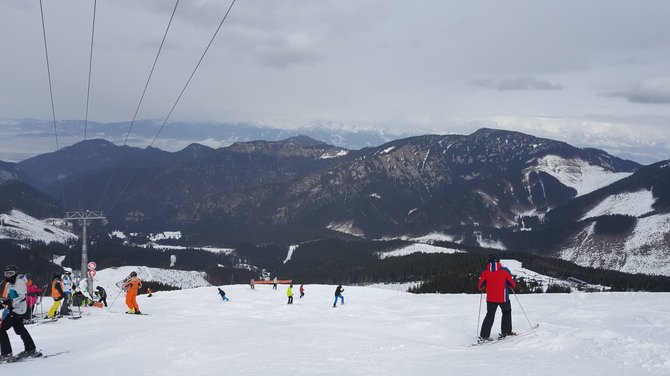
(300, 188)
(492, 188)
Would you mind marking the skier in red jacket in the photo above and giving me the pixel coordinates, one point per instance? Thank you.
(496, 279)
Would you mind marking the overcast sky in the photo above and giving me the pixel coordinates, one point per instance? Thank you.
(593, 73)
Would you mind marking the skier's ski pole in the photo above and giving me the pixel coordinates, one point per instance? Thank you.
(117, 296)
(524, 312)
(479, 315)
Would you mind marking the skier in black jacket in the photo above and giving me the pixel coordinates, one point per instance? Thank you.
(338, 295)
(103, 295)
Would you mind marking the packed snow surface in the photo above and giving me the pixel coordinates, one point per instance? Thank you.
(577, 173)
(377, 332)
(631, 203)
(20, 226)
(416, 248)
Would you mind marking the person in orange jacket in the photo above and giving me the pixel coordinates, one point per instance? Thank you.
(132, 287)
(56, 294)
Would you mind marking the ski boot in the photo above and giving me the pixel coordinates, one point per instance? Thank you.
(503, 335)
(28, 354)
(7, 358)
(484, 339)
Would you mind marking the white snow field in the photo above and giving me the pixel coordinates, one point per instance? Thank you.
(377, 332)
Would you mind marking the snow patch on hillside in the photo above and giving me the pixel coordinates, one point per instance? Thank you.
(290, 253)
(339, 153)
(417, 248)
(395, 286)
(165, 235)
(648, 248)
(225, 251)
(630, 203)
(346, 227)
(109, 277)
(489, 243)
(117, 234)
(58, 259)
(434, 236)
(644, 251)
(20, 226)
(577, 173)
(517, 270)
(386, 151)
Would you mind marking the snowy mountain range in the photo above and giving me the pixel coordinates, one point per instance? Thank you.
(492, 188)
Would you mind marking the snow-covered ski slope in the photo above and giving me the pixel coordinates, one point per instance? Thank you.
(577, 173)
(20, 226)
(377, 332)
(109, 277)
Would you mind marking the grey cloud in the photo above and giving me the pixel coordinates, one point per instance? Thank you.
(517, 83)
(651, 91)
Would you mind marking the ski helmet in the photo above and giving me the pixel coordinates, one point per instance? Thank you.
(11, 271)
(494, 258)
(133, 274)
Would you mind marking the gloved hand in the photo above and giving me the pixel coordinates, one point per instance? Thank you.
(7, 303)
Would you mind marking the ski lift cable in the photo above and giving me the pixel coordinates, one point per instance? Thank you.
(51, 94)
(88, 96)
(192, 73)
(175, 103)
(146, 85)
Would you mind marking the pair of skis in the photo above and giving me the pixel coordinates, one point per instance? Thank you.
(34, 357)
(501, 339)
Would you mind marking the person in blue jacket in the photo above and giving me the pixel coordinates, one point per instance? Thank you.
(223, 295)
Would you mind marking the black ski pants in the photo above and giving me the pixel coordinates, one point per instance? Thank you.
(290, 300)
(104, 301)
(505, 326)
(14, 321)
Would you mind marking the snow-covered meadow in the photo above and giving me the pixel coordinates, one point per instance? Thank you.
(377, 332)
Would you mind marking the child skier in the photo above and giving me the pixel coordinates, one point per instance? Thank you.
(132, 287)
(223, 295)
(302, 291)
(67, 294)
(15, 308)
(56, 294)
